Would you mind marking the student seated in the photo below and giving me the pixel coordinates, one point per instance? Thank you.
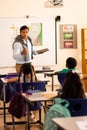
(72, 88)
(27, 74)
(71, 64)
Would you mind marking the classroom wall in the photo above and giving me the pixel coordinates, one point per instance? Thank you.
(73, 12)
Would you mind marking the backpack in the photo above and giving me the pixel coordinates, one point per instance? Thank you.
(59, 109)
(17, 106)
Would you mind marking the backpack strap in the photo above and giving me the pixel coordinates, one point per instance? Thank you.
(62, 102)
(61, 106)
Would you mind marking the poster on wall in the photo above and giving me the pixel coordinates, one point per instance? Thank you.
(68, 44)
(35, 32)
(68, 36)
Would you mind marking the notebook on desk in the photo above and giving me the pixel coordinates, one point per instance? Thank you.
(34, 92)
(41, 96)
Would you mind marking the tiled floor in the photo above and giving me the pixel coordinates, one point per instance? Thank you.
(18, 127)
(21, 127)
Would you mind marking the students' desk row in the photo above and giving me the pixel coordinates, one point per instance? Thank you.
(11, 69)
(50, 96)
(71, 123)
(52, 74)
(44, 96)
(4, 103)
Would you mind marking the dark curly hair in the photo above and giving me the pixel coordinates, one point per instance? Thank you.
(71, 63)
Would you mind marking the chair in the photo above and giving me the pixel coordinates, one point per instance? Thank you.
(61, 77)
(9, 91)
(23, 87)
(40, 85)
(78, 106)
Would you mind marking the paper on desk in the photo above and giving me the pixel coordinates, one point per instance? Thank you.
(37, 98)
(82, 125)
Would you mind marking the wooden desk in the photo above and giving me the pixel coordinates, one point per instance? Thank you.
(69, 123)
(4, 106)
(44, 70)
(83, 76)
(52, 74)
(11, 69)
(6, 70)
(42, 97)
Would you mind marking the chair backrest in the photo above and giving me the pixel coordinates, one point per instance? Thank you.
(78, 106)
(61, 77)
(9, 90)
(9, 75)
(38, 85)
(3, 75)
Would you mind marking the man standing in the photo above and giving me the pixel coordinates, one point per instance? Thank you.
(23, 48)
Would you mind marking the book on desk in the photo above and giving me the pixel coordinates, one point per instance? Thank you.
(34, 92)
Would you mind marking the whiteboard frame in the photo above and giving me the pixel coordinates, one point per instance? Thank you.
(6, 52)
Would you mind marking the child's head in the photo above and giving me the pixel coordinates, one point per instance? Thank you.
(72, 87)
(71, 63)
(26, 68)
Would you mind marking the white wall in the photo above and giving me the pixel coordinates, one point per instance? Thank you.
(73, 12)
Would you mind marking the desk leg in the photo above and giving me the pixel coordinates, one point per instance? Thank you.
(4, 113)
(27, 127)
(52, 82)
(4, 93)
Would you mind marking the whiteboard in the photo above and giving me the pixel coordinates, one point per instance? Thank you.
(8, 33)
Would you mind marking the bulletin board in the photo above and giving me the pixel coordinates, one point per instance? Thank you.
(68, 36)
(9, 28)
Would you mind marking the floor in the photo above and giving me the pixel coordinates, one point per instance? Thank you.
(21, 127)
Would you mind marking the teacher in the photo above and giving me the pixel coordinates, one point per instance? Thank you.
(23, 48)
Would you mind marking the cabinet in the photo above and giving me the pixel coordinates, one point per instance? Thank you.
(84, 49)
(84, 53)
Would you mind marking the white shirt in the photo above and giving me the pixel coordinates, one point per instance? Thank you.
(18, 48)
